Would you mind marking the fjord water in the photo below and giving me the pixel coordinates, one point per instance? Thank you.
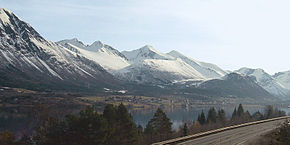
(180, 115)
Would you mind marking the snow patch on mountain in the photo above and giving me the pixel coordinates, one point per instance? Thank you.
(105, 55)
(209, 71)
(178, 67)
(49, 69)
(146, 52)
(283, 78)
(4, 17)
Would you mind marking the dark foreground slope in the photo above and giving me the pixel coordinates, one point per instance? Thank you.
(234, 84)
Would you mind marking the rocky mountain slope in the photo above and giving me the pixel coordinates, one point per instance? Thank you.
(237, 85)
(266, 81)
(283, 78)
(105, 55)
(29, 60)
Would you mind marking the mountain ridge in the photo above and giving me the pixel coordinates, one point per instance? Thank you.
(29, 60)
(266, 81)
(26, 55)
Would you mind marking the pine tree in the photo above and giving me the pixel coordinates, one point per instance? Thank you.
(211, 116)
(88, 128)
(198, 119)
(91, 128)
(247, 116)
(202, 118)
(159, 124)
(240, 111)
(126, 130)
(185, 129)
(122, 127)
(115, 126)
(140, 130)
(222, 116)
(257, 116)
(110, 114)
(269, 112)
(149, 129)
(234, 115)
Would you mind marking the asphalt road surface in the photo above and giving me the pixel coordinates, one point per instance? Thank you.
(238, 136)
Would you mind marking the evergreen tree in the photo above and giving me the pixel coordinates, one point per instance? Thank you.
(126, 131)
(140, 130)
(198, 119)
(88, 128)
(247, 116)
(269, 112)
(110, 114)
(202, 118)
(257, 116)
(222, 116)
(159, 124)
(149, 129)
(185, 129)
(240, 111)
(234, 115)
(211, 116)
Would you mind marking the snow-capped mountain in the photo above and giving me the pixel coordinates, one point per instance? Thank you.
(266, 81)
(144, 65)
(283, 78)
(147, 64)
(159, 71)
(28, 59)
(146, 52)
(105, 55)
(208, 70)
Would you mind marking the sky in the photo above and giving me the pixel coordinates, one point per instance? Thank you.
(229, 33)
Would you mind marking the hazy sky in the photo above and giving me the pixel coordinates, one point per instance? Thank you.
(229, 33)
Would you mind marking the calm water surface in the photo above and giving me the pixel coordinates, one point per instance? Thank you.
(178, 116)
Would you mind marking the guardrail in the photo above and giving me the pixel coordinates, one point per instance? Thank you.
(194, 136)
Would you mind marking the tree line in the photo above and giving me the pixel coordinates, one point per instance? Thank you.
(217, 119)
(115, 125)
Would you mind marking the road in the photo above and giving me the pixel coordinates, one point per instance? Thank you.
(238, 136)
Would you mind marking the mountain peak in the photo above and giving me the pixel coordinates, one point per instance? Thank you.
(3, 10)
(73, 41)
(5, 15)
(175, 53)
(146, 52)
(249, 71)
(95, 46)
(148, 48)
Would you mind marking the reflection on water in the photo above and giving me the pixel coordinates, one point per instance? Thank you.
(178, 116)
